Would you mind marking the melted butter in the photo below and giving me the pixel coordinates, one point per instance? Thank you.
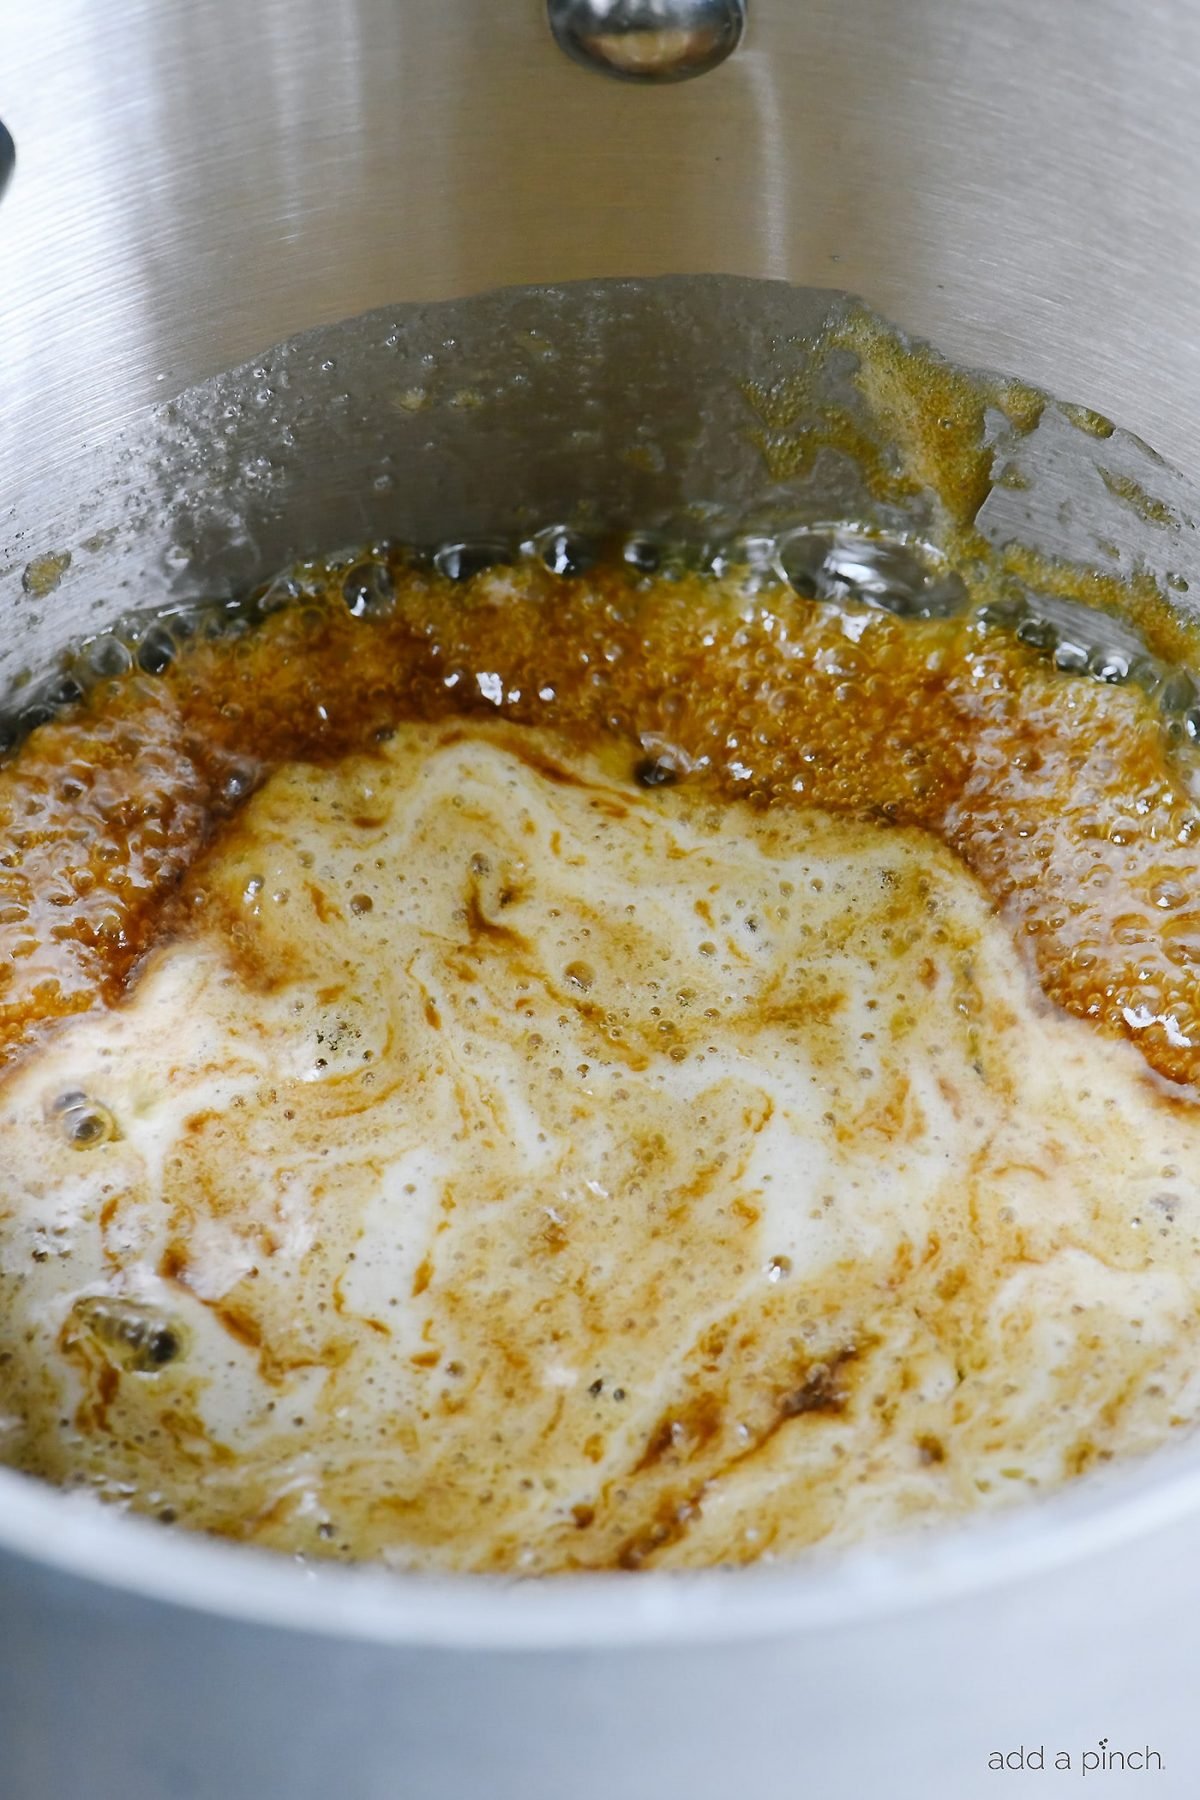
(509, 1165)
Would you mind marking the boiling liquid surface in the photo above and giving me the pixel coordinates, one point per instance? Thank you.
(538, 1132)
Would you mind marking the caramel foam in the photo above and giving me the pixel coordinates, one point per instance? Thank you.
(1061, 795)
(518, 1167)
(594, 1072)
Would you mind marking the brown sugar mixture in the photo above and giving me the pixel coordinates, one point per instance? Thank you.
(1061, 797)
(543, 1072)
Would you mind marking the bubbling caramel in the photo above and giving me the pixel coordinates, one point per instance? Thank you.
(543, 1072)
(1062, 796)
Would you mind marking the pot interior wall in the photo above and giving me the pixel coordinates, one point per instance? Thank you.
(697, 406)
(1016, 182)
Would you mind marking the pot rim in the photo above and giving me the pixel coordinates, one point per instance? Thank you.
(76, 1535)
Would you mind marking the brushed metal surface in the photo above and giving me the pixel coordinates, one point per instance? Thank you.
(114, 1697)
(1016, 182)
(604, 404)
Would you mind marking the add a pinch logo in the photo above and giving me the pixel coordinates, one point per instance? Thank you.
(1102, 1760)
(1020, 1758)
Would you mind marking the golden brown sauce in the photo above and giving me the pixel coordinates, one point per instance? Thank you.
(1063, 797)
(509, 1164)
(607, 1071)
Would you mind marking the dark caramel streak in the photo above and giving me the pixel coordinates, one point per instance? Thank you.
(683, 1435)
(322, 905)
(822, 1391)
(670, 1522)
(683, 1432)
(482, 929)
(241, 1325)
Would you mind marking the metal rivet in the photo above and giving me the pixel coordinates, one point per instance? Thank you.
(648, 40)
(8, 156)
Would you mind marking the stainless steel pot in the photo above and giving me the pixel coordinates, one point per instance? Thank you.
(197, 181)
